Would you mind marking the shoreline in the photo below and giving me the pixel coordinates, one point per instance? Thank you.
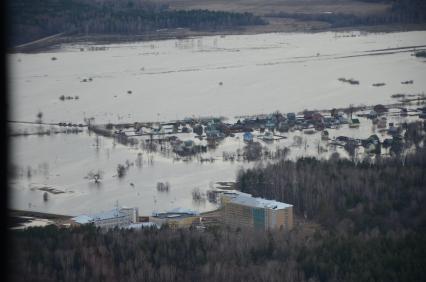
(54, 216)
(36, 214)
(51, 43)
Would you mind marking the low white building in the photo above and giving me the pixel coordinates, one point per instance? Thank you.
(167, 129)
(117, 217)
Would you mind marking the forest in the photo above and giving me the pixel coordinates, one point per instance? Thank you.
(30, 20)
(390, 190)
(33, 19)
(367, 218)
(401, 12)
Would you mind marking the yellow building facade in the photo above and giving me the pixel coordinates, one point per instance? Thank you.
(175, 222)
(243, 210)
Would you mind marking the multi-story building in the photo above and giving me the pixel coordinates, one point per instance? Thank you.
(244, 210)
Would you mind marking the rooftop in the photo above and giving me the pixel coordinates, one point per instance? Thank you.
(248, 200)
(114, 213)
(176, 213)
(183, 210)
(83, 219)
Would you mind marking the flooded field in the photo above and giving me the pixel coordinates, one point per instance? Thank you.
(231, 75)
(173, 79)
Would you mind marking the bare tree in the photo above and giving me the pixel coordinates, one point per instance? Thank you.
(45, 196)
(253, 151)
(139, 160)
(197, 196)
(39, 117)
(121, 170)
(163, 187)
(95, 176)
(349, 111)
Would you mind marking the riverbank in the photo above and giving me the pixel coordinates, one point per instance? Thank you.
(276, 25)
(19, 219)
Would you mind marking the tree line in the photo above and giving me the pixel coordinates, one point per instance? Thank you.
(30, 20)
(401, 12)
(384, 192)
(217, 254)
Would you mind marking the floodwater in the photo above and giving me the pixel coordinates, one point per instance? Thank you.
(64, 161)
(173, 79)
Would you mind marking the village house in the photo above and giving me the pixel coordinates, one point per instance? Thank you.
(268, 136)
(380, 109)
(308, 115)
(291, 117)
(212, 131)
(372, 114)
(248, 137)
(236, 128)
(393, 130)
(283, 126)
(270, 124)
(317, 117)
(354, 123)
(382, 122)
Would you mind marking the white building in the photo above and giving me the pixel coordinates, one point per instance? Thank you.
(117, 217)
(167, 129)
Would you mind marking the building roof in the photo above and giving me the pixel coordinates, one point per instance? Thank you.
(83, 219)
(114, 213)
(183, 210)
(176, 213)
(172, 216)
(248, 200)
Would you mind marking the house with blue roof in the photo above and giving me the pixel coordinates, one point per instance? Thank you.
(248, 137)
